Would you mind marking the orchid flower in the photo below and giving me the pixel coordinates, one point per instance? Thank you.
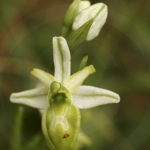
(83, 97)
(61, 97)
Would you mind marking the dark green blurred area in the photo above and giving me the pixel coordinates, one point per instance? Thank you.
(120, 54)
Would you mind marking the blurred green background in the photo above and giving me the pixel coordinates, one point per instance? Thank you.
(120, 54)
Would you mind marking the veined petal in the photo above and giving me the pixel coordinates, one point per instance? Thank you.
(61, 59)
(44, 77)
(77, 78)
(36, 98)
(99, 11)
(87, 97)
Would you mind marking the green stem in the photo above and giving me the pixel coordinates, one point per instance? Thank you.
(16, 134)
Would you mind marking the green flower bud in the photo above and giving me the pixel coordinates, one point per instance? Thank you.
(69, 17)
(60, 121)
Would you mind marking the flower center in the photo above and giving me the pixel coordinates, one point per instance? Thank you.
(59, 98)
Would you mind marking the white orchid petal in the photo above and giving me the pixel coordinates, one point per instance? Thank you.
(99, 11)
(87, 97)
(77, 78)
(61, 59)
(36, 98)
(44, 77)
(83, 5)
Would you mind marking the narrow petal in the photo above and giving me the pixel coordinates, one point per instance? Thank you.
(61, 59)
(77, 78)
(87, 97)
(36, 98)
(44, 77)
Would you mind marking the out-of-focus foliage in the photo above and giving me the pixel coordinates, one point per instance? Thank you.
(120, 54)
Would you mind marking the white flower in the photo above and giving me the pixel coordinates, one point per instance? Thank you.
(98, 10)
(82, 96)
(83, 5)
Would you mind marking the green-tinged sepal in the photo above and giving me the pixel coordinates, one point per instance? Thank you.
(78, 36)
(43, 76)
(61, 121)
(74, 81)
(69, 18)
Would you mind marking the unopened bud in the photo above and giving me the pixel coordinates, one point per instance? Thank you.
(83, 5)
(98, 12)
(69, 17)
